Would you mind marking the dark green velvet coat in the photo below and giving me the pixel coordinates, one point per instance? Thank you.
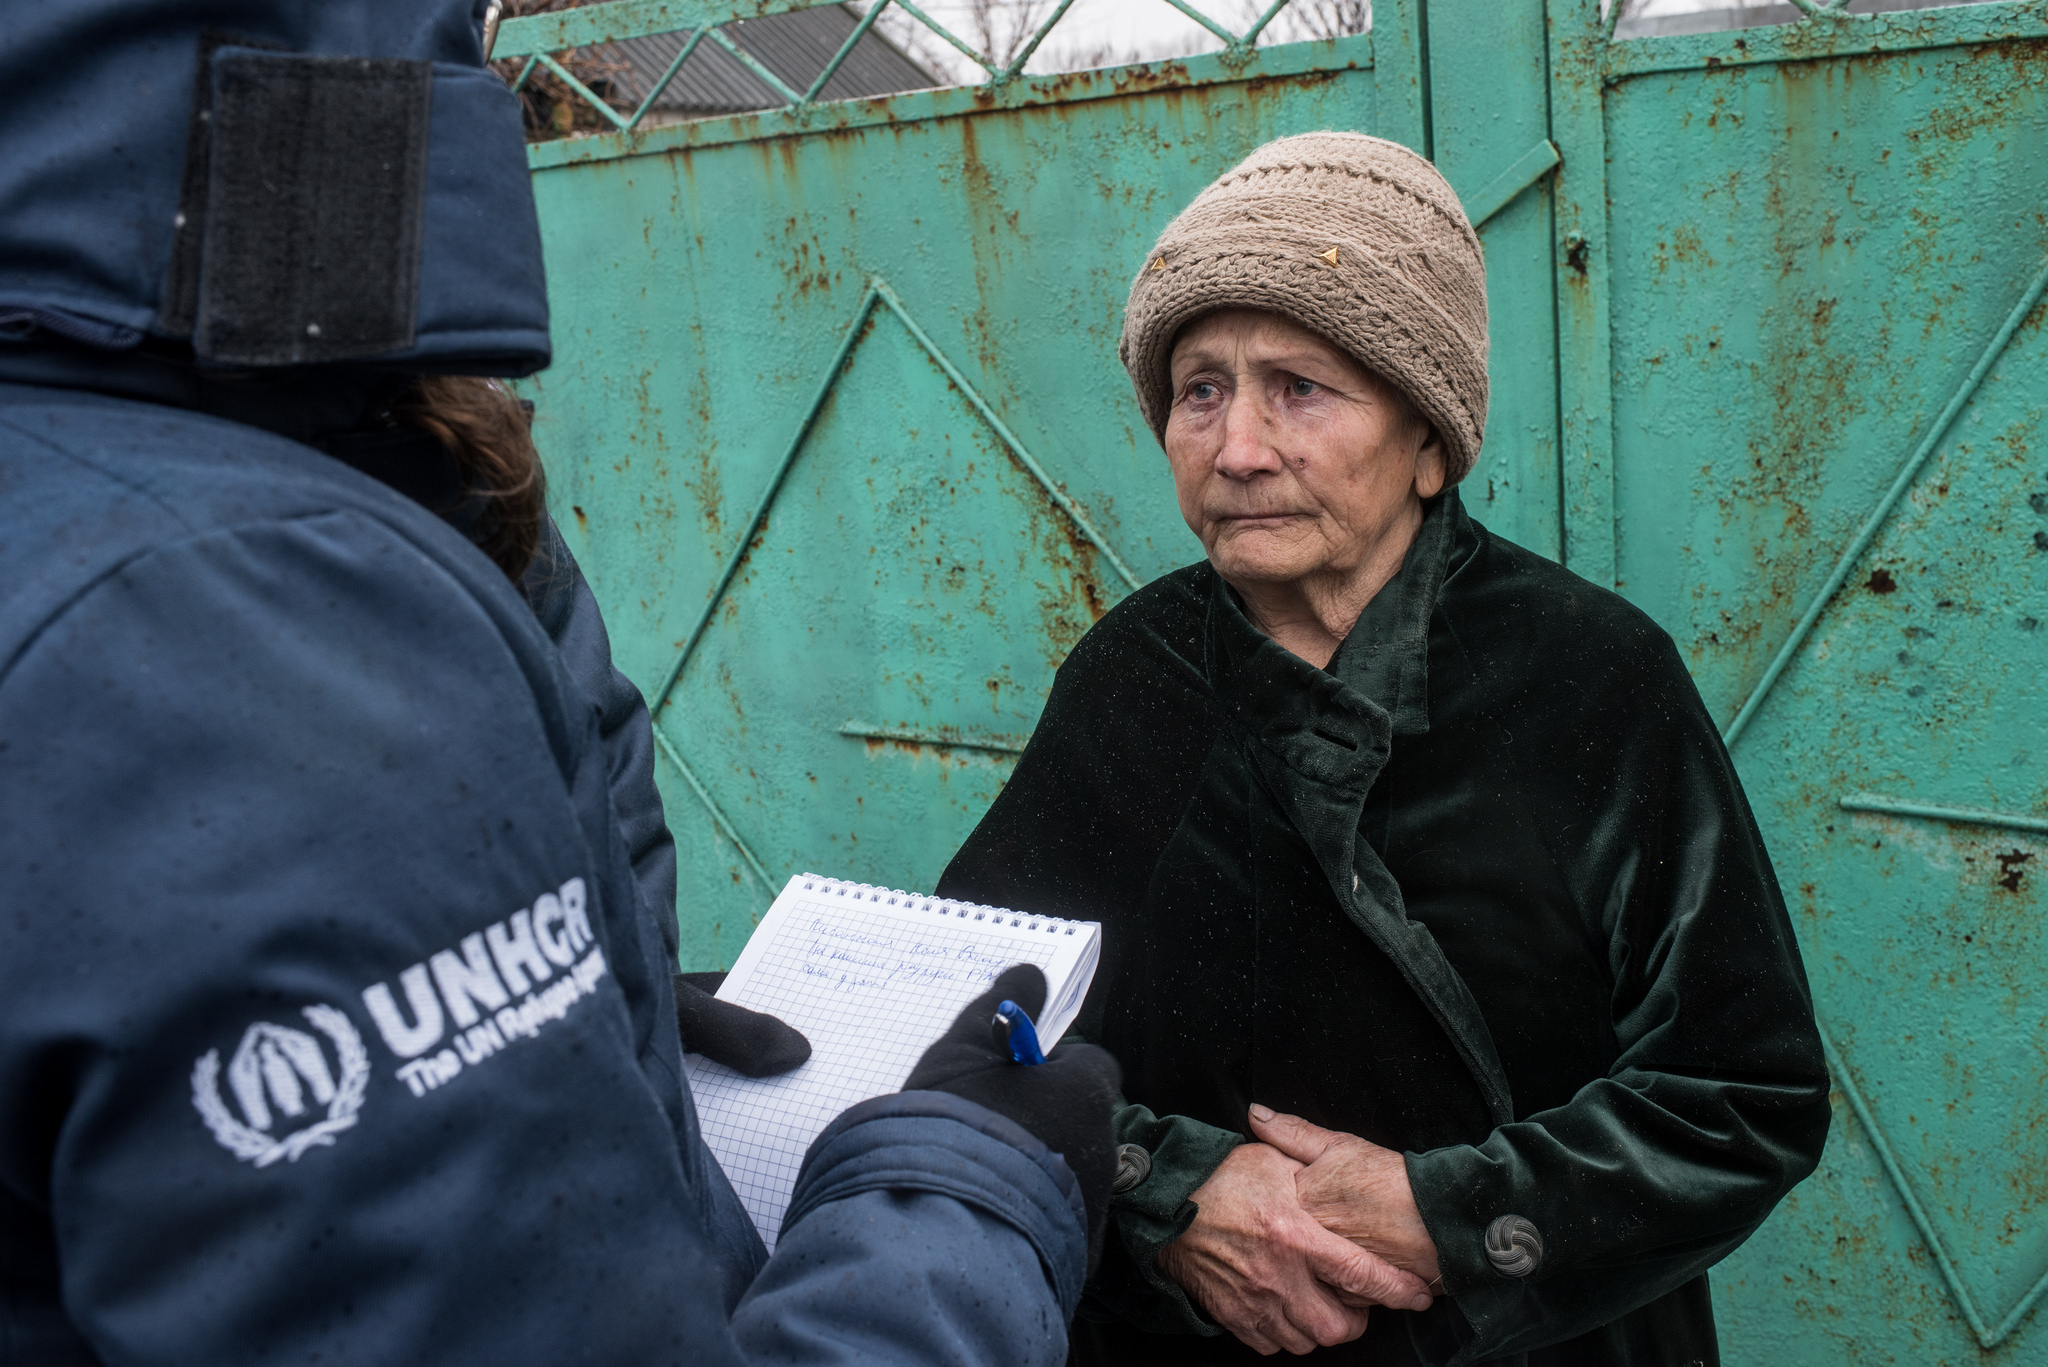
(1486, 891)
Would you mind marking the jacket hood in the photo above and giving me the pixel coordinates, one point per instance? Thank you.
(276, 183)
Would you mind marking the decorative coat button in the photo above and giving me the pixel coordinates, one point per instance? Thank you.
(1513, 1246)
(1133, 1165)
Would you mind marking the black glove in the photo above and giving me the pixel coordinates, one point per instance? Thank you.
(750, 1042)
(1065, 1101)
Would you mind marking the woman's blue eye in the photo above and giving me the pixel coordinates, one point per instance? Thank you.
(1301, 388)
(1201, 390)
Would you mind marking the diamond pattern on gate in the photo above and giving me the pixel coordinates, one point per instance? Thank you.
(1993, 1312)
(595, 25)
(879, 298)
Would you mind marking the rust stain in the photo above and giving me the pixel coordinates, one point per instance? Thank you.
(989, 214)
(2011, 874)
(1881, 581)
(1685, 248)
(1992, 83)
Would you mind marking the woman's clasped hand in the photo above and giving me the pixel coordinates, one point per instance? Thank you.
(1299, 1234)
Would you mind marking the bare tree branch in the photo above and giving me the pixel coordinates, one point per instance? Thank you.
(1304, 20)
(1001, 28)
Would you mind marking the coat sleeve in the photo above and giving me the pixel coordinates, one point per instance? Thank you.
(319, 973)
(912, 1237)
(1716, 1103)
(1129, 1285)
(561, 598)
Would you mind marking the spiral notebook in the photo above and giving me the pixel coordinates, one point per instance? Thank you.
(872, 976)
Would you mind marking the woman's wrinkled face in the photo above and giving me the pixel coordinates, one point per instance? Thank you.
(1289, 458)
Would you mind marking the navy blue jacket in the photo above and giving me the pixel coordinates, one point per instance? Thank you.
(336, 1022)
(331, 1023)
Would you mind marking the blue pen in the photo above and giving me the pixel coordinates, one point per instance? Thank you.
(1011, 1031)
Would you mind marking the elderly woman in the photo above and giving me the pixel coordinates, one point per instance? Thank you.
(1444, 959)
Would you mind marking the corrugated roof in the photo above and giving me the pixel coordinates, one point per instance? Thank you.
(795, 46)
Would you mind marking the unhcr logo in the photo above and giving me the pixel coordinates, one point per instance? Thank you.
(286, 1090)
(494, 988)
(290, 1095)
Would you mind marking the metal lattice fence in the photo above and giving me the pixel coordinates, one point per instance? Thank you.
(579, 49)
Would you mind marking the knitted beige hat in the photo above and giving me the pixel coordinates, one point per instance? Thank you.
(1356, 238)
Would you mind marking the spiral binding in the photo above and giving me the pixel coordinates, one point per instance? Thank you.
(941, 906)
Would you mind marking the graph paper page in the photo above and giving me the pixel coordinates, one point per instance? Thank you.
(872, 977)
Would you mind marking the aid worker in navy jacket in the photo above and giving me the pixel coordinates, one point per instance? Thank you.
(336, 1018)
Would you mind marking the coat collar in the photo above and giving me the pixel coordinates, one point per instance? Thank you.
(1386, 655)
(1311, 721)
(1379, 677)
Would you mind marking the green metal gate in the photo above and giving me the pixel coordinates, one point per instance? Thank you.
(1802, 274)
(837, 429)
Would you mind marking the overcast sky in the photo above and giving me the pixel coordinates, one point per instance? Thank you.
(1113, 30)
(1107, 32)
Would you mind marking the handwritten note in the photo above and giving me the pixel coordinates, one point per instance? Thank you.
(872, 977)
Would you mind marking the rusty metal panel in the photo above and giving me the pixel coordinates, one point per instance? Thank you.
(1825, 246)
(1490, 136)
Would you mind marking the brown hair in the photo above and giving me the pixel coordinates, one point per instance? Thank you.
(489, 433)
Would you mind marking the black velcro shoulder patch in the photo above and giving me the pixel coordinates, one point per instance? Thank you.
(316, 180)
